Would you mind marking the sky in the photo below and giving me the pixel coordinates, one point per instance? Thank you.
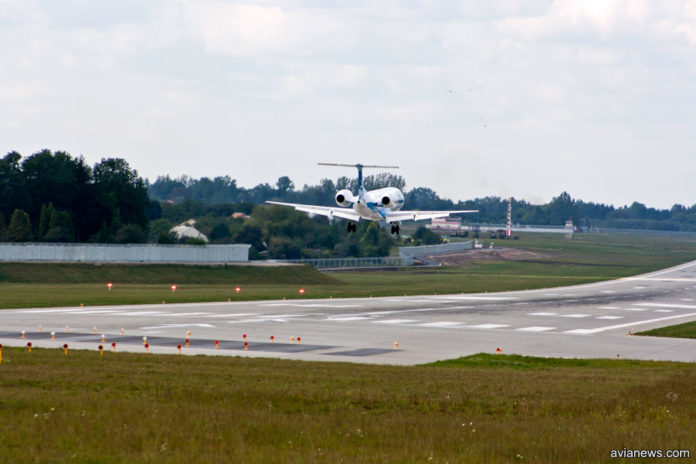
(469, 98)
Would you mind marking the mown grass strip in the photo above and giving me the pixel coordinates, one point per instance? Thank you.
(127, 407)
(687, 330)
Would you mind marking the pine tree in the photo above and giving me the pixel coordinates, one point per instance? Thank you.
(3, 229)
(44, 220)
(20, 227)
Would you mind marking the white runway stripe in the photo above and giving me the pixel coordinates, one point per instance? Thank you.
(442, 324)
(535, 329)
(610, 317)
(348, 318)
(146, 313)
(632, 309)
(577, 316)
(188, 314)
(395, 321)
(543, 314)
(488, 326)
(667, 305)
(664, 310)
(608, 307)
(232, 315)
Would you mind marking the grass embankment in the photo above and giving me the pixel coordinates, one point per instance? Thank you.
(585, 259)
(687, 330)
(126, 407)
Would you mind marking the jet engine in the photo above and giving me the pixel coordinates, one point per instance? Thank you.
(387, 202)
(344, 197)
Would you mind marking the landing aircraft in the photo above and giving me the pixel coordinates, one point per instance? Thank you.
(382, 205)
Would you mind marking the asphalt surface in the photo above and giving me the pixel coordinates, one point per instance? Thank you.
(587, 321)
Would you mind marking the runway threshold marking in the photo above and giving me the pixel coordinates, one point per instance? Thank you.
(535, 329)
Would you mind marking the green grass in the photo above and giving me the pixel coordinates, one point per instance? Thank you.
(687, 330)
(126, 407)
(585, 259)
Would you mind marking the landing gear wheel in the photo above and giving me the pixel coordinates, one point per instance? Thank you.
(352, 227)
(395, 229)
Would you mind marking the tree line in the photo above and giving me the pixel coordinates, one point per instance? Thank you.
(492, 209)
(55, 197)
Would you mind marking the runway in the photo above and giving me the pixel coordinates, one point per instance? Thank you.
(587, 321)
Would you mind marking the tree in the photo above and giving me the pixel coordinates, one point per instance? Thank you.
(118, 187)
(284, 185)
(44, 220)
(219, 233)
(60, 227)
(130, 233)
(424, 236)
(3, 228)
(20, 227)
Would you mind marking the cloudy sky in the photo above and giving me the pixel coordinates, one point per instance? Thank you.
(470, 98)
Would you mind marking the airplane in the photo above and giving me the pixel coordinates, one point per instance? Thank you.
(382, 205)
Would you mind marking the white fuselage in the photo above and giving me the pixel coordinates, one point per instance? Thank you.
(374, 204)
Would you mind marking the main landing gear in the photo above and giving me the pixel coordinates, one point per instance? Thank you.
(352, 227)
(395, 229)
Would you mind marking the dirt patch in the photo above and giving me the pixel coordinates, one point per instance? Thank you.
(465, 258)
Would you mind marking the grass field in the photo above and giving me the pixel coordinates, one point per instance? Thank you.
(585, 259)
(687, 330)
(126, 407)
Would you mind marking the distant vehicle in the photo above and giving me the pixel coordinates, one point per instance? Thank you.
(382, 205)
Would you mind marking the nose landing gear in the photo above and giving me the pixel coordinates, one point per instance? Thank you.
(352, 227)
(395, 229)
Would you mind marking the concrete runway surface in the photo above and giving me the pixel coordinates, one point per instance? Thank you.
(586, 321)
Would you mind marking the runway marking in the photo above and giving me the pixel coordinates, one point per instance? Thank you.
(610, 317)
(187, 314)
(666, 271)
(173, 326)
(543, 314)
(632, 309)
(535, 329)
(629, 324)
(444, 324)
(348, 318)
(99, 311)
(607, 291)
(575, 315)
(312, 305)
(482, 298)
(146, 313)
(232, 315)
(395, 321)
(639, 287)
(687, 299)
(668, 305)
(63, 310)
(664, 310)
(488, 326)
(670, 279)
(609, 307)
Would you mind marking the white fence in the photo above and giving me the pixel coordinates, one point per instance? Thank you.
(135, 253)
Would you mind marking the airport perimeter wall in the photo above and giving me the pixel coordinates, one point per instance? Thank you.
(134, 253)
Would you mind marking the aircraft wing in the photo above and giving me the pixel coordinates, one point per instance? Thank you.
(328, 211)
(397, 216)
